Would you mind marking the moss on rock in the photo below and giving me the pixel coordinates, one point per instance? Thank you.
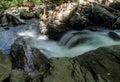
(5, 67)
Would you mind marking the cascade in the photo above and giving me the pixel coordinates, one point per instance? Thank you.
(77, 43)
(71, 44)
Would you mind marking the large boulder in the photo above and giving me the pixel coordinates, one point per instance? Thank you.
(101, 65)
(78, 16)
(5, 67)
(27, 58)
(101, 16)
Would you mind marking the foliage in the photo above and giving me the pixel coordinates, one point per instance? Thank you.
(4, 4)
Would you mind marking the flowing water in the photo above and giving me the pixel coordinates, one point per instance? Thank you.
(71, 44)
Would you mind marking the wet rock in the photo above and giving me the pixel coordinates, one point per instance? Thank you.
(27, 58)
(75, 38)
(100, 65)
(116, 24)
(114, 36)
(5, 67)
(94, 28)
(9, 19)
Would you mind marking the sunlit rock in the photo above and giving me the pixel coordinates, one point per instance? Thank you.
(56, 21)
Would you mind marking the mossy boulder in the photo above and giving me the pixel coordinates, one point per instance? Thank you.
(100, 65)
(60, 71)
(17, 76)
(5, 67)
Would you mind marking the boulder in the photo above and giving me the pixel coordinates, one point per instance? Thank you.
(56, 21)
(75, 38)
(115, 5)
(9, 19)
(116, 24)
(114, 36)
(17, 76)
(26, 15)
(101, 64)
(27, 58)
(5, 67)
(101, 16)
(60, 71)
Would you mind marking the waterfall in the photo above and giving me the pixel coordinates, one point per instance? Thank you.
(80, 42)
(71, 44)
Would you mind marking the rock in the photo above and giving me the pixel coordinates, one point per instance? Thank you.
(5, 67)
(75, 38)
(60, 71)
(17, 76)
(94, 28)
(116, 24)
(56, 20)
(28, 15)
(79, 19)
(98, 65)
(1, 13)
(114, 36)
(101, 16)
(102, 64)
(8, 20)
(27, 58)
(115, 5)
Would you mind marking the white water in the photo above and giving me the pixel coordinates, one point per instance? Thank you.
(61, 48)
(92, 40)
(98, 39)
(7, 37)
